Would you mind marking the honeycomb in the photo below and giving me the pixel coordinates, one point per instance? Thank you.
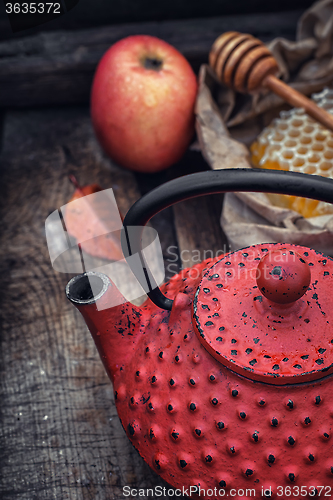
(297, 143)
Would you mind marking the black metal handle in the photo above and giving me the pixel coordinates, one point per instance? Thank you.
(210, 182)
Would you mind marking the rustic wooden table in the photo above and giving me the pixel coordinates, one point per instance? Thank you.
(60, 434)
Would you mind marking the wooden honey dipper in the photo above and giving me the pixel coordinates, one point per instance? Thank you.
(245, 64)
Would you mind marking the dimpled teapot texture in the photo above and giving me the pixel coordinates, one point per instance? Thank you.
(198, 389)
(297, 143)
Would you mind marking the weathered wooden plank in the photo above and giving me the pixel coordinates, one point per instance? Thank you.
(57, 67)
(60, 437)
(196, 221)
(191, 231)
(101, 13)
(162, 222)
(198, 230)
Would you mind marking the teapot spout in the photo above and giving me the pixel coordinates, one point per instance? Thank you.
(113, 322)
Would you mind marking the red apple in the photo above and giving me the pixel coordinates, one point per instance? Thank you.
(142, 103)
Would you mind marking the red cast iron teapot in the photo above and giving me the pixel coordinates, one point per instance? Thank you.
(223, 381)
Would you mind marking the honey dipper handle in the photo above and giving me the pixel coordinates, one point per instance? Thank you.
(298, 100)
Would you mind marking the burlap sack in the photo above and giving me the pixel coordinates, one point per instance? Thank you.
(307, 65)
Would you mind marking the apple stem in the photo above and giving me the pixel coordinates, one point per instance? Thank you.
(152, 63)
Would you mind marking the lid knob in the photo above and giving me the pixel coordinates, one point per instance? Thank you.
(283, 276)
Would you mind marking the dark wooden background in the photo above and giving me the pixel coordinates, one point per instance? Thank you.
(60, 437)
(90, 13)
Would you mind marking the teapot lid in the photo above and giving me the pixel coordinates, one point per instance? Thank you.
(265, 312)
